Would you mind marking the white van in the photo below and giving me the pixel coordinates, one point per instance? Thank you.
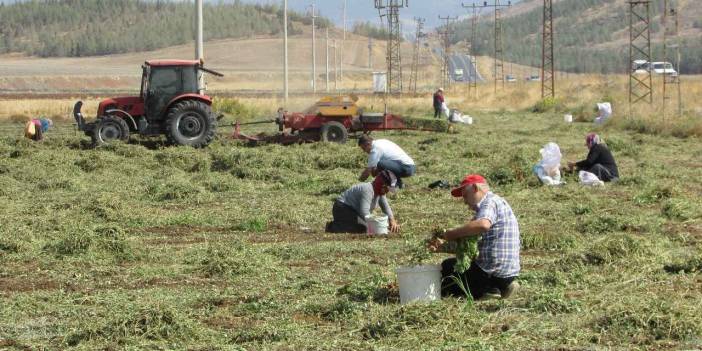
(640, 66)
(663, 68)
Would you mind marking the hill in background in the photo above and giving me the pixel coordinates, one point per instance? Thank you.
(76, 28)
(591, 35)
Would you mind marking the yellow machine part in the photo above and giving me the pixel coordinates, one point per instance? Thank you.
(337, 106)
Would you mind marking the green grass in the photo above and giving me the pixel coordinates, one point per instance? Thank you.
(135, 246)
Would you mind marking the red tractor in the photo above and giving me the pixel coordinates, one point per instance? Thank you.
(169, 103)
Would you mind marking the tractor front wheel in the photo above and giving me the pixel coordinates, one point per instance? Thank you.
(109, 129)
(334, 132)
(191, 123)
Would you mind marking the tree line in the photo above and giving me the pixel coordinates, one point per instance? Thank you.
(102, 27)
(577, 38)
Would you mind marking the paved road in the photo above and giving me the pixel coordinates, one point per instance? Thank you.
(470, 73)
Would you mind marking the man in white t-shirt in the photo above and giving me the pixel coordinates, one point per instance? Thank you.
(385, 155)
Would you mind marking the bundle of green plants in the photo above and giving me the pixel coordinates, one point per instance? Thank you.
(435, 124)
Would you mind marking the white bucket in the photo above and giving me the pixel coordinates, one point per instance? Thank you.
(419, 283)
(568, 118)
(376, 224)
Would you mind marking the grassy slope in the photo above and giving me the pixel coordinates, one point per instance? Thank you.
(221, 248)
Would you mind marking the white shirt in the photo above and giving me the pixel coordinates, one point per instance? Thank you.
(386, 150)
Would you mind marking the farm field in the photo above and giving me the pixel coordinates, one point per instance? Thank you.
(142, 246)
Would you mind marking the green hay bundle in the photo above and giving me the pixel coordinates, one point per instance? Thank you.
(438, 125)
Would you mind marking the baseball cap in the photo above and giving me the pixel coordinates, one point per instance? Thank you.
(468, 180)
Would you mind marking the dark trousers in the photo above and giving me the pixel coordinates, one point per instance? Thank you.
(474, 280)
(601, 172)
(437, 112)
(400, 169)
(346, 220)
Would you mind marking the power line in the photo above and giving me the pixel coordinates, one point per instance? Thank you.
(473, 74)
(499, 69)
(640, 80)
(548, 77)
(446, 41)
(415, 56)
(314, 51)
(393, 57)
(670, 32)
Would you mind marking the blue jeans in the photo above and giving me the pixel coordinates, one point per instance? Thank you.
(400, 169)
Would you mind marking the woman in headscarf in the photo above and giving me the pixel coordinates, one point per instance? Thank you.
(36, 128)
(599, 160)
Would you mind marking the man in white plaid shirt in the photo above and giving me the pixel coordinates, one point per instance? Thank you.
(497, 264)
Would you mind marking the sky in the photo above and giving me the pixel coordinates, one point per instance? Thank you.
(364, 10)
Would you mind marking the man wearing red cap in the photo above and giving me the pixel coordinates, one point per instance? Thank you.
(353, 205)
(497, 264)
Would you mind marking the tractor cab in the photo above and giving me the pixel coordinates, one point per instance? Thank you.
(163, 81)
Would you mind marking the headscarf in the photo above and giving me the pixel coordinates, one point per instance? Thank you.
(592, 139)
(384, 178)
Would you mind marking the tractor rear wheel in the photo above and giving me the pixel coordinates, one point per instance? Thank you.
(190, 123)
(109, 129)
(334, 132)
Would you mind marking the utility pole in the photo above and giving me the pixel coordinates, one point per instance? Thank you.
(548, 78)
(473, 74)
(415, 56)
(370, 53)
(314, 52)
(393, 57)
(199, 50)
(640, 83)
(326, 42)
(446, 38)
(285, 51)
(343, 45)
(499, 69)
(670, 29)
(336, 68)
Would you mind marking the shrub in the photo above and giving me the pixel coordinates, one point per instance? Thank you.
(546, 105)
(238, 110)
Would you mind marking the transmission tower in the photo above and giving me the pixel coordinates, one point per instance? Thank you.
(473, 74)
(415, 55)
(548, 77)
(499, 71)
(393, 58)
(640, 81)
(446, 42)
(670, 34)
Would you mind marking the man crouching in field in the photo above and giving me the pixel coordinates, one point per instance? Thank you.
(497, 263)
(353, 205)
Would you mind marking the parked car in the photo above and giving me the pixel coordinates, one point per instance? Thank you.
(664, 68)
(533, 78)
(510, 79)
